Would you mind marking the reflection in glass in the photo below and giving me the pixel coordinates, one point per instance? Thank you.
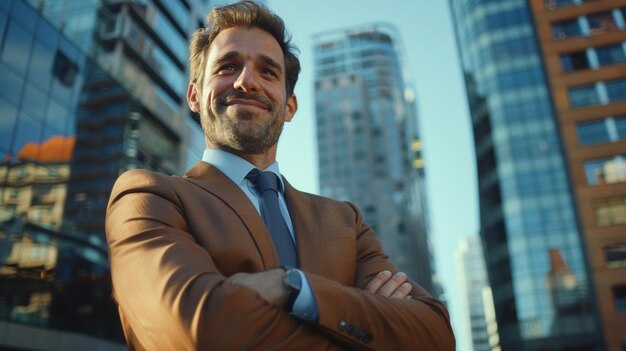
(567, 295)
(606, 170)
(611, 211)
(601, 23)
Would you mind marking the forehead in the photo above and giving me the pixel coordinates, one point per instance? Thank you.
(246, 42)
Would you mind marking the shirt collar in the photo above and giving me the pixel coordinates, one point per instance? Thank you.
(235, 167)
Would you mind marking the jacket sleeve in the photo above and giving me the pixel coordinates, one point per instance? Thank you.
(171, 294)
(368, 321)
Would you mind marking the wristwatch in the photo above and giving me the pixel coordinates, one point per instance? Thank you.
(293, 282)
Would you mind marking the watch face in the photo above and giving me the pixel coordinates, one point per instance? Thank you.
(294, 280)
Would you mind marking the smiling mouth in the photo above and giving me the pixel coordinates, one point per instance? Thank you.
(247, 102)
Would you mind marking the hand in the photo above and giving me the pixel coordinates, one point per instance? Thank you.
(269, 284)
(388, 285)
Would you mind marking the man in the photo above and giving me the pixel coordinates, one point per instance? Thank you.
(197, 261)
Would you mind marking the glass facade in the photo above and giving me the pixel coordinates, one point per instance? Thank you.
(533, 250)
(605, 130)
(367, 138)
(69, 125)
(475, 284)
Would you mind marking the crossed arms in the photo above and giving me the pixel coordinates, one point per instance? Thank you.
(173, 294)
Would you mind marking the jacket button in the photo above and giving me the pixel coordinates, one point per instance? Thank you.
(343, 325)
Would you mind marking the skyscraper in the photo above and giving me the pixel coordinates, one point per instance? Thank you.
(539, 96)
(474, 281)
(369, 146)
(584, 50)
(88, 89)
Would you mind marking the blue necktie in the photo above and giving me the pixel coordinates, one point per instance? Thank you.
(266, 184)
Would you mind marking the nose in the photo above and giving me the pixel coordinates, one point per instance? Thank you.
(246, 81)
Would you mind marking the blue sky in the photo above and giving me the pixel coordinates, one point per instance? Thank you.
(433, 68)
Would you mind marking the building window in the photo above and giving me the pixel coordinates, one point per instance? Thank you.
(619, 297)
(554, 4)
(586, 95)
(566, 29)
(590, 133)
(574, 61)
(603, 131)
(606, 170)
(616, 89)
(610, 55)
(64, 69)
(611, 211)
(615, 255)
(601, 23)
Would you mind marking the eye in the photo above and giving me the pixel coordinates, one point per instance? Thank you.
(227, 68)
(269, 72)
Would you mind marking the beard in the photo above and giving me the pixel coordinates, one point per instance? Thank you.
(241, 133)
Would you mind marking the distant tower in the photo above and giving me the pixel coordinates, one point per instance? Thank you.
(369, 146)
(474, 285)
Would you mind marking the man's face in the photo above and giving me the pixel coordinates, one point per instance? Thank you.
(242, 101)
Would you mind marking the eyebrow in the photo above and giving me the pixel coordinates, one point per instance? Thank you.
(231, 55)
(271, 62)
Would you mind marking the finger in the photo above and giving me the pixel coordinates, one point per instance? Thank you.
(392, 284)
(378, 281)
(402, 291)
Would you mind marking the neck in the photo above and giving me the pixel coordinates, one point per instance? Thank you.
(260, 161)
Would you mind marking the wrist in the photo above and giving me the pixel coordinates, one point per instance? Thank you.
(292, 280)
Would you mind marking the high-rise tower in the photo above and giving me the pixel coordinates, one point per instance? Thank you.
(88, 89)
(369, 146)
(546, 83)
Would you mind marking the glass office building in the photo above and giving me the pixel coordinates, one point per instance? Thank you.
(369, 146)
(474, 285)
(533, 244)
(87, 90)
(584, 54)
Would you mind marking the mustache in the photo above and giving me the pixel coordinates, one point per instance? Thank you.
(236, 94)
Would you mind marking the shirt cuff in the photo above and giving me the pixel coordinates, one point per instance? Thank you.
(305, 307)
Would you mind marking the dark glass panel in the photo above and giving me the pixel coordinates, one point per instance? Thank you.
(34, 101)
(566, 29)
(16, 49)
(616, 89)
(615, 255)
(619, 296)
(40, 70)
(10, 85)
(24, 15)
(574, 61)
(620, 125)
(601, 23)
(28, 132)
(583, 96)
(610, 55)
(590, 133)
(7, 125)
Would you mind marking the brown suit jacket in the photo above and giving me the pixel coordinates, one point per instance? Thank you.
(174, 241)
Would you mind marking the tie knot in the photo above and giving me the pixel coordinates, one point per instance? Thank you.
(263, 180)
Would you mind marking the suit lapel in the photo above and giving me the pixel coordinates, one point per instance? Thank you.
(217, 183)
(306, 219)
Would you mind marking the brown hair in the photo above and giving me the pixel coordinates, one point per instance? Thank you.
(242, 14)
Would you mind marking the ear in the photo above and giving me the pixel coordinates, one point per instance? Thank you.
(292, 107)
(193, 97)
